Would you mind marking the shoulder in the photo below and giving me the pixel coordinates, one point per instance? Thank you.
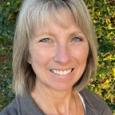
(95, 103)
(11, 109)
(17, 106)
(22, 105)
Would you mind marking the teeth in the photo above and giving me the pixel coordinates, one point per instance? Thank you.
(61, 72)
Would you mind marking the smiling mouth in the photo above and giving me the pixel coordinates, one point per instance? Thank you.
(61, 72)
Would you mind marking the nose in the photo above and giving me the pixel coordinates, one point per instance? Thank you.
(62, 55)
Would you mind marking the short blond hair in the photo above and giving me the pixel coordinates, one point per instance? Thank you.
(38, 12)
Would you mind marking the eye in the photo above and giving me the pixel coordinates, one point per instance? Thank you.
(45, 40)
(76, 39)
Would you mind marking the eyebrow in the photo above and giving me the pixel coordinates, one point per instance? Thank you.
(72, 32)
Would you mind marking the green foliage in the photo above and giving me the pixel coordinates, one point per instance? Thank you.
(8, 13)
(103, 16)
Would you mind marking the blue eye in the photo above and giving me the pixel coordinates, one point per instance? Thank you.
(77, 39)
(46, 40)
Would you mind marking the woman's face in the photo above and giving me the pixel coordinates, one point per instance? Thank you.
(58, 53)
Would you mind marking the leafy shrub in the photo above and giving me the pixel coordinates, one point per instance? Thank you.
(103, 16)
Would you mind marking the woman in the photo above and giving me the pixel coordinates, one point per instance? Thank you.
(54, 59)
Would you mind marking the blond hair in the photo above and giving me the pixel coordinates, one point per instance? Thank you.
(37, 12)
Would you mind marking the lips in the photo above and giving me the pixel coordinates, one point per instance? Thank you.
(61, 72)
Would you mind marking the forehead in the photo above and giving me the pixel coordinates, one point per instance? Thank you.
(62, 18)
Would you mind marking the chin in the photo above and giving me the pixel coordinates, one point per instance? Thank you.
(61, 87)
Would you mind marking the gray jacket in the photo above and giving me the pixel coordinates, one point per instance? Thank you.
(26, 106)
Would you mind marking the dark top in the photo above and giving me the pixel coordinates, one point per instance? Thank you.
(26, 106)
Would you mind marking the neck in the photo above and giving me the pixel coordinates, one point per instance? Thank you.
(59, 101)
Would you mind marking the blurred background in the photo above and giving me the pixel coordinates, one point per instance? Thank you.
(103, 16)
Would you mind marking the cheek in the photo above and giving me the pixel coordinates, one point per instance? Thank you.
(40, 56)
(38, 61)
(81, 53)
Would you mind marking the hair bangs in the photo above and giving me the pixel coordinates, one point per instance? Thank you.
(40, 16)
